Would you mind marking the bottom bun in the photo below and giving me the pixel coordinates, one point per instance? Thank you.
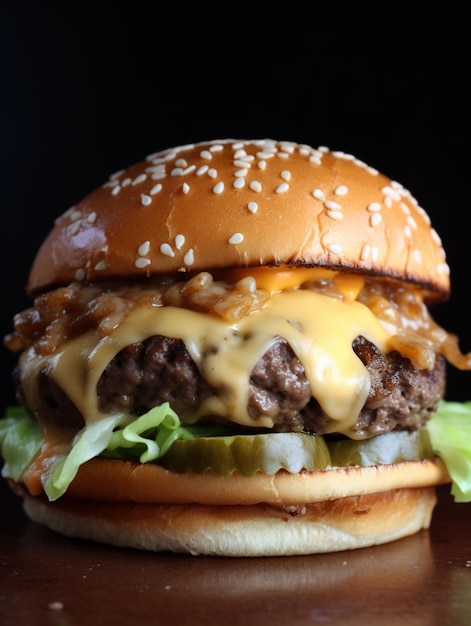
(148, 507)
(241, 531)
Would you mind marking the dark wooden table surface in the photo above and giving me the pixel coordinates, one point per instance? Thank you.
(49, 579)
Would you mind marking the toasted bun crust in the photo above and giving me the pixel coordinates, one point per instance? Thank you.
(147, 507)
(232, 204)
(242, 531)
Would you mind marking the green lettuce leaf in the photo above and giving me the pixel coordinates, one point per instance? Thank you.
(87, 444)
(450, 435)
(20, 441)
(148, 437)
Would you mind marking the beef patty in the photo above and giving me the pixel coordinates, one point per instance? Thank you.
(160, 369)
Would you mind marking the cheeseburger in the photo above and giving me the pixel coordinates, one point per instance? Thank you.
(230, 352)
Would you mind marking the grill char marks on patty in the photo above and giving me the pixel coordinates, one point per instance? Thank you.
(160, 369)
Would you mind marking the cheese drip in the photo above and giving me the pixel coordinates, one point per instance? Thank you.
(320, 330)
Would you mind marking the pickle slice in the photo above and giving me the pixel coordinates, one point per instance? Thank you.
(392, 447)
(248, 454)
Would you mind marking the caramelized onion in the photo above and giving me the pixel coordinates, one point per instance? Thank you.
(69, 311)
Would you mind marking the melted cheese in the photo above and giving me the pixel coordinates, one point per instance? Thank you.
(320, 330)
(279, 278)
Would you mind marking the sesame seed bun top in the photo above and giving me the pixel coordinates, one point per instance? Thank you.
(243, 203)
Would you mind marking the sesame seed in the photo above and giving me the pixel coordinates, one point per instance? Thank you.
(239, 153)
(411, 221)
(158, 160)
(335, 215)
(163, 157)
(156, 189)
(91, 219)
(144, 248)
(388, 201)
(333, 206)
(374, 253)
(315, 159)
(318, 194)
(127, 181)
(177, 171)
(265, 155)
(407, 231)
(335, 248)
(179, 241)
(166, 249)
(282, 188)
(242, 172)
(181, 163)
(189, 257)
(212, 172)
(343, 155)
(157, 167)
(282, 155)
(239, 183)
(405, 208)
(252, 207)
(145, 199)
(141, 262)
(341, 190)
(202, 170)
(216, 148)
(374, 206)
(75, 215)
(206, 154)
(375, 219)
(101, 265)
(436, 236)
(159, 175)
(286, 175)
(365, 252)
(262, 165)
(116, 189)
(139, 179)
(110, 183)
(185, 188)
(417, 256)
(255, 186)
(236, 238)
(218, 187)
(242, 163)
(390, 191)
(74, 228)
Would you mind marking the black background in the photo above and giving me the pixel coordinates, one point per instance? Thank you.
(88, 90)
